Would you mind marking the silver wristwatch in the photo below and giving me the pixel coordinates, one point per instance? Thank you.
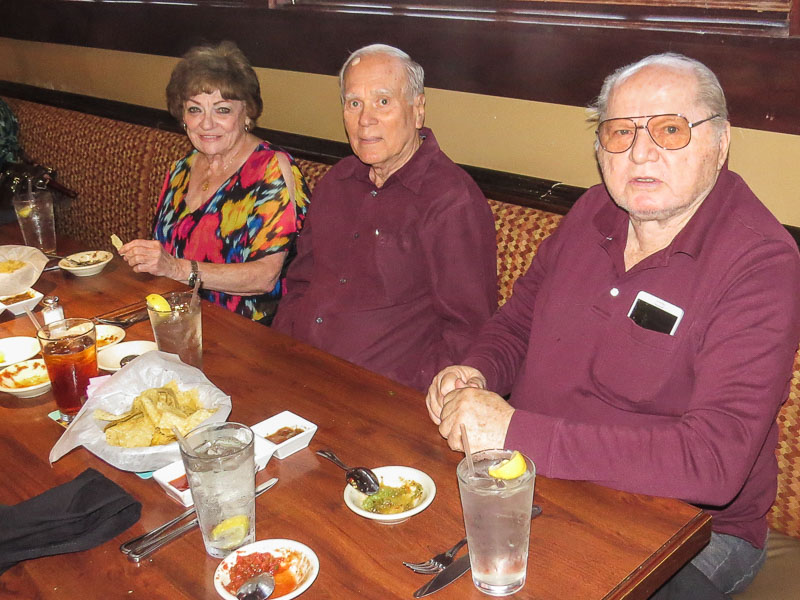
(194, 275)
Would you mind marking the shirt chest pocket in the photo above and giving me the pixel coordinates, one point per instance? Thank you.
(633, 366)
(399, 261)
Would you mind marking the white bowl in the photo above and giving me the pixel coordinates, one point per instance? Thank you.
(108, 335)
(286, 419)
(15, 349)
(166, 475)
(393, 476)
(108, 358)
(305, 568)
(101, 256)
(18, 308)
(12, 378)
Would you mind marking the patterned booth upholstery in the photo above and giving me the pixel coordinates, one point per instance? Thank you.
(117, 168)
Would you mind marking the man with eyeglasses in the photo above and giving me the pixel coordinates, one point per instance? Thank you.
(650, 344)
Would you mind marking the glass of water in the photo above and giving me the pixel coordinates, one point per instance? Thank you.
(180, 329)
(34, 209)
(497, 517)
(220, 467)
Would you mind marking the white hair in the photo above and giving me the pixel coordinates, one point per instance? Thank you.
(709, 90)
(415, 75)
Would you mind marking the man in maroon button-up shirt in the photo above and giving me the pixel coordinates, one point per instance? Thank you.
(396, 265)
(683, 405)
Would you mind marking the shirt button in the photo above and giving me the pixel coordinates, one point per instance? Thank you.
(614, 292)
(343, 280)
(318, 319)
(373, 193)
(355, 235)
(377, 232)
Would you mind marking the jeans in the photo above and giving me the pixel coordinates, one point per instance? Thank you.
(726, 566)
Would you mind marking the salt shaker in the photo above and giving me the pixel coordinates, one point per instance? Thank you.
(51, 309)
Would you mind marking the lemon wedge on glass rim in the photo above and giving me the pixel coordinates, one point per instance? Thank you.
(510, 468)
(158, 302)
(230, 533)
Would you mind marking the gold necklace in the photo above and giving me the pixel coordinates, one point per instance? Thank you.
(207, 182)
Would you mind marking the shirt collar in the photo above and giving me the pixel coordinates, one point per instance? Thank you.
(612, 222)
(411, 175)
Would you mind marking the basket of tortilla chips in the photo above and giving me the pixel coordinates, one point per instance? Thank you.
(128, 419)
(20, 268)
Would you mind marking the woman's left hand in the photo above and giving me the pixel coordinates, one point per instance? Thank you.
(149, 256)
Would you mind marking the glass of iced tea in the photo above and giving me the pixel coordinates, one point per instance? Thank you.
(70, 354)
(179, 329)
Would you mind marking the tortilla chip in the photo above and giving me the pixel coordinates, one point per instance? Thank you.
(115, 241)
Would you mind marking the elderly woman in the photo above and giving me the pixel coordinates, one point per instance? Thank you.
(230, 210)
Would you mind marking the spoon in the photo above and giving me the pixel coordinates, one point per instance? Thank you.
(259, 587)
(126, 359)
(361, 478)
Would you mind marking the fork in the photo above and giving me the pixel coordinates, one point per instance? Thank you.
(438, 562)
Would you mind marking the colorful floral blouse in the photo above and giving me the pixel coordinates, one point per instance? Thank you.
(249, 217)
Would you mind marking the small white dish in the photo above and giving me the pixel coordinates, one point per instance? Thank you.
(26, 379)
(108, 358)
(393, 476)
(170, 475)
(286, 419)
(304, 567)
(108, 335)
(101, 256)
(18, 348)
(18, 308)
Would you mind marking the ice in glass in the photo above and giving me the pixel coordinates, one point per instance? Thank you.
(70, 355)
(179, 330)
(34, 211)
(221, 473)
(497, 517)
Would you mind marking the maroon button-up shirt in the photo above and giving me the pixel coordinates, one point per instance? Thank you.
(398, 279)
(689, 415)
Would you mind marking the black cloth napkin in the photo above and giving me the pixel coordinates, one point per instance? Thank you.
(77, 515)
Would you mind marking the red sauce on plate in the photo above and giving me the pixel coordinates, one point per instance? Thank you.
(181, 483)
(250, 565)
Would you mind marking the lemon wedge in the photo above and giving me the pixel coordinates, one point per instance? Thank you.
(230, 533)
(25, 212)
(510, 468)
(158, 302)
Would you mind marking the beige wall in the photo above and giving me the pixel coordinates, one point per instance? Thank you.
(531, 138)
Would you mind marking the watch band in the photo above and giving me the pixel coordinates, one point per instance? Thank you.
(194, 275)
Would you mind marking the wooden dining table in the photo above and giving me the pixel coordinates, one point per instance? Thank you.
(590, 542)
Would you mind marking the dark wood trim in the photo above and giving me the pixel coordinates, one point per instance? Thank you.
(535, 60)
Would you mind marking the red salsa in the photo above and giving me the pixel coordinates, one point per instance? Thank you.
(250, 565)
(283, 434)
(181, 483)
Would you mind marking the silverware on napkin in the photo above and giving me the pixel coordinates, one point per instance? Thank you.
(445, 577)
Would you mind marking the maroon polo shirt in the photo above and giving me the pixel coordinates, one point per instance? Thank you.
(689, 415)
(398, 279)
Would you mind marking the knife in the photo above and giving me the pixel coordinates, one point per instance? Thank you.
(445, 577)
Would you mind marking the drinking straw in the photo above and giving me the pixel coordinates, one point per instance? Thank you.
(182, 441)
(193, 302)
(465, 443)
(32, 318)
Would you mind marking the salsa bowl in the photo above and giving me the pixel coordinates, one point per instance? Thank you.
(394, 476)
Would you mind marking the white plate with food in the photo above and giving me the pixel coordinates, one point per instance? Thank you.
(18, 348)
(19, 302)
(293, 565)
(288, 431)
(109, 358)
(26, 379)
(84, 264)
(404, 492)
(108, 335)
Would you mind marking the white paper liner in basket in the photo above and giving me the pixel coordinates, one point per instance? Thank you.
(116, 394)
(23, 278)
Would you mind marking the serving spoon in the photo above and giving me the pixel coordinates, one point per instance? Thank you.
(258, 587)
(361, 478)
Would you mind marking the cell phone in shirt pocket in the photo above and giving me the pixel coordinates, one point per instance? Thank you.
(653, 313)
